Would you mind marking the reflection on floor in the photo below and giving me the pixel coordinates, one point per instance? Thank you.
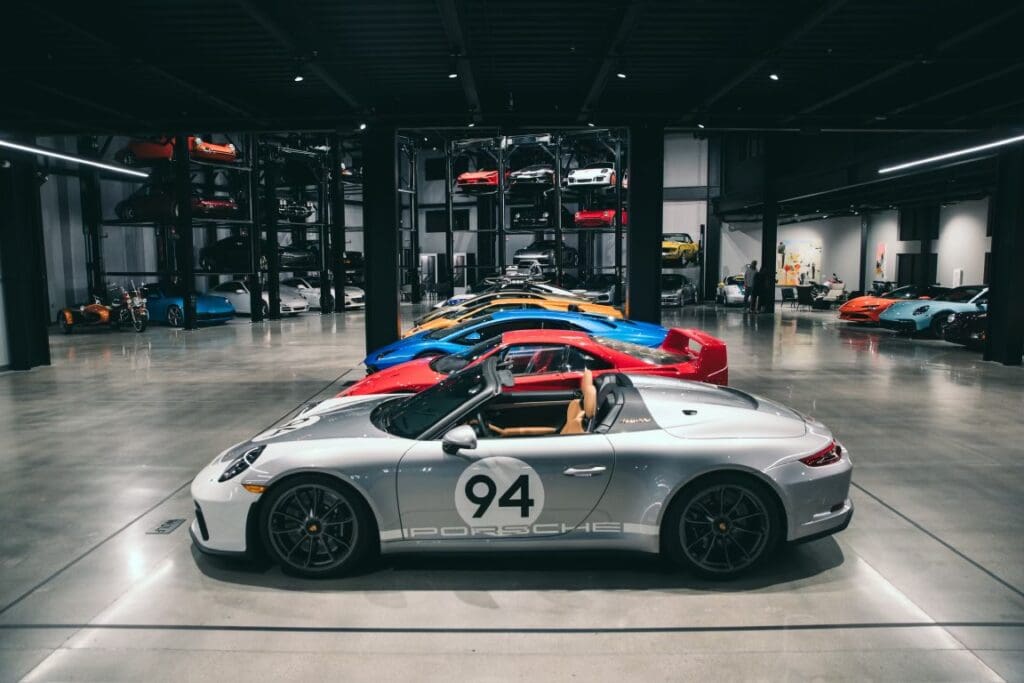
(97, 450)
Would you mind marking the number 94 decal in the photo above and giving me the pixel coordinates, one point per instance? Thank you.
(499, 491)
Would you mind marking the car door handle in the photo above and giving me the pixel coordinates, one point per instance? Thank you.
(585, 471)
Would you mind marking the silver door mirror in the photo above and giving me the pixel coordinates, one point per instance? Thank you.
(461, 437)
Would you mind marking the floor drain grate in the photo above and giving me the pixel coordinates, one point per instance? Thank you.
(167, 526)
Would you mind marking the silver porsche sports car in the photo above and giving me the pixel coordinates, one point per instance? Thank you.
(710, 476)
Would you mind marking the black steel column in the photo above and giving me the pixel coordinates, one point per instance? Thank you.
(26, 304)
(769, 228)
(449, 207)
(1005, 342)
(92, 216)
(270, 224)
(337, 217)
(380, 218)
(619, 298)
(323, 190)
(183, 228)
(862, 277)
(485, 235)
(559, 235)
(500, 225)
(646, 190)
(255, 237)
(415, 290)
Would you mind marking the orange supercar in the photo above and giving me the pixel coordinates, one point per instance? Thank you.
(514, 304)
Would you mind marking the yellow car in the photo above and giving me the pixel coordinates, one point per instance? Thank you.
(456, 317)
(679, 249)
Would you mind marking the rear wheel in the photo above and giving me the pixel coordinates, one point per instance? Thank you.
(314, 526)
(722, 526)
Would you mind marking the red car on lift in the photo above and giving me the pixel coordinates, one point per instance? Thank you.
(598, 218)
(554, 360)
(162, 149)
(151, 203)
(479, 181)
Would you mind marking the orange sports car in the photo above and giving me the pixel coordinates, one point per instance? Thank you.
(161, 149)
(513, 304)
(479, 181)
(866, 309)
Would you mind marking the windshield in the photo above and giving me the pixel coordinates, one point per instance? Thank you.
(645, 353)
(457, 361)
(908, 292)
(600, 282)
(456, 329)
(410, 417)
(963, 294)
(600, 164)
(671, 281)
(681, 237)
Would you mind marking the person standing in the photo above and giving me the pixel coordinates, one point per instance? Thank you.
(757, 296)
(749, 283)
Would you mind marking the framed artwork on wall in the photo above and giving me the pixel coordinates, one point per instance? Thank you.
(880, 261)
(798, 262)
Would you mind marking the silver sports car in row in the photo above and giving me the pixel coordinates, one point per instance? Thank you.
(710, 476)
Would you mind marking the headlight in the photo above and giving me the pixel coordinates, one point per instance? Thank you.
(921, 309)
(199, 140)
(241, 463)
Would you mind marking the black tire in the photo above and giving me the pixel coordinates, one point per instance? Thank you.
(743, 519)
(140, 323)
(129, 213)
(336, 539)
(175, 316)
(938, 324)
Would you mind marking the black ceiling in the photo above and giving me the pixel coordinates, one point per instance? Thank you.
(149, 65)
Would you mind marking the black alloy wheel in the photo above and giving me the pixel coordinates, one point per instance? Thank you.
(314, 526)
(938, 324)
(723, 526)
(175, 317)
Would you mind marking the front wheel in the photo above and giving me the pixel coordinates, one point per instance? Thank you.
(140, 322)
(314, 526)
(722, 526)
(938, 324)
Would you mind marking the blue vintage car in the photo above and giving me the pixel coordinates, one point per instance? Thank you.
(166, 305)
(457, 338)
(932, 315)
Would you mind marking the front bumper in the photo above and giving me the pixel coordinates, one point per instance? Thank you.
(905, 326)
(674, 300)
(221, 525)
(817, 499)
(855, 316)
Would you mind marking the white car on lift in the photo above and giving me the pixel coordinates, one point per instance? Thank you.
(309, 289)
(597, 174)
(237, 292)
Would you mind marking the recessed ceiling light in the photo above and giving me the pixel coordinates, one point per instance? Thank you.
(299, 78)
(453, 74)
(621, 74)
(590, 123)
(471, 124)
(362, 126)
(73, 159)
(774, 77)
(700, 125)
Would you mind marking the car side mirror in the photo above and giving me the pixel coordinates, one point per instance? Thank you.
(459, 438)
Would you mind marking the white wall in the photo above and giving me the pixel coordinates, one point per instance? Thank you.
(686, 161)
(962, 242)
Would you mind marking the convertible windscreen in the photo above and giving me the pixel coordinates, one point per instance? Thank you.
(412, 416)
(457, 361)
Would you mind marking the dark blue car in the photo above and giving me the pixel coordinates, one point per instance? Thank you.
(166, 305)
(454, 339)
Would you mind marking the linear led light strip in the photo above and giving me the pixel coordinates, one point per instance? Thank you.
(73, 159)
(953, 155)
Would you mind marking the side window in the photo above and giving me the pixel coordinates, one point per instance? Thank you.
(577, 361)
(533, 359)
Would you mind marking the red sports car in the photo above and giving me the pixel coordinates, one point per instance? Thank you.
(550, 360)
(599, 218)
(163, 148)
(479, 181)
(150, 203)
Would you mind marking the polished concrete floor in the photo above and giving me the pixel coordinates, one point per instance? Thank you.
(98, 450)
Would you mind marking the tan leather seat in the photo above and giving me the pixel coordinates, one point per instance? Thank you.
(585, 407)
(521, 431)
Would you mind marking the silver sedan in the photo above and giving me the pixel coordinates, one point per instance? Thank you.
(712, 477)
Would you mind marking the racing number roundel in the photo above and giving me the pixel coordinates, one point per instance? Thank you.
(499, 491)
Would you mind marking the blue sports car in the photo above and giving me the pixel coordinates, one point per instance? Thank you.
(933, 314)
(166, 305)
(458, 338)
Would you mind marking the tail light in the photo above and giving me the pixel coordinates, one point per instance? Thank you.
(609, 214)
(833, 453)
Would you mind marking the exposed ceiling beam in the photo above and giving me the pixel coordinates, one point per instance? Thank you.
(73, 27)
(760, 63)
(86, 102)
(457, 46)
(628, 19)
(271, 26)
(939, 48)
(991, 76)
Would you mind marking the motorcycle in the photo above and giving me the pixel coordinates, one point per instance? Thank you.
(131, 310)
(126, 309)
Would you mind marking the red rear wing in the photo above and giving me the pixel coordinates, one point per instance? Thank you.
(708, 353)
